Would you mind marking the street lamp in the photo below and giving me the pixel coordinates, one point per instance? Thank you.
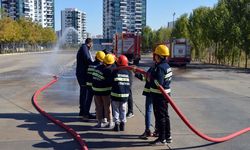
(173, 18)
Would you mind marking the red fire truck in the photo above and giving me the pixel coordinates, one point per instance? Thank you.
(128, 44)
(179, 52)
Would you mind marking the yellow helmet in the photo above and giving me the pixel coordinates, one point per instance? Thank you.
(109, 59)
(162, 50)
(100, 55)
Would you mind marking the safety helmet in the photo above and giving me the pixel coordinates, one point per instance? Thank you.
(162, 50)
(122, 61)
(109, 59)
(114, 56)
(100, 55)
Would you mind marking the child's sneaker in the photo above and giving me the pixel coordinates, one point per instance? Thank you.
(122, 126)
(156, 133)
(109, 125)
(117, 127)
(130, 115)
(146, 134)
(99, 125)
(158, 142)
(104, 120)
(169, 140)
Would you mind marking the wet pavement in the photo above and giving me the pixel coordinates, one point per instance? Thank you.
(215, 100)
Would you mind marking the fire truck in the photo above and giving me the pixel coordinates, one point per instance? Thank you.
(179, 52)
(128, 44)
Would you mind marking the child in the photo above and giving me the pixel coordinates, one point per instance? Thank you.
(98, 61)
(120, 93)
(148, 106)
(102, 88)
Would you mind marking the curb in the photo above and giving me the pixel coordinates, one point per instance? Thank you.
(25, 53)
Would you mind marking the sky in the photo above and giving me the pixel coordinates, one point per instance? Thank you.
(159, 12)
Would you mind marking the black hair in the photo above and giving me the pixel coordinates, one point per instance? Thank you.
(105, 51)
(88, 40)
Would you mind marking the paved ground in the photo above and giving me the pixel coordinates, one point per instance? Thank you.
(215, 100)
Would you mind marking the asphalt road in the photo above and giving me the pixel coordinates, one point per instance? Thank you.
(215, 100)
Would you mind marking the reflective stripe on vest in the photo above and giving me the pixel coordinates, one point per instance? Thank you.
(119, 95)
(158, 91)
(101, 89)
(98, 75)
(122, 79)
(89, 84)
(146, 90)
(168, 75)
(90, 71)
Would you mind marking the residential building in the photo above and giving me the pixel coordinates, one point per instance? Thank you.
(123, 16)
(73, 18)
(40, 11)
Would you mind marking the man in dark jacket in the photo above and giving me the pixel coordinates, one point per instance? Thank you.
(83, 58)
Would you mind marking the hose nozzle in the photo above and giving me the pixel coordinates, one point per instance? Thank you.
(55, 77)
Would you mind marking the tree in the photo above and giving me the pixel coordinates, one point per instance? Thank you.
(48, 36)
(197, 32)
(181, 27)
(146, 34)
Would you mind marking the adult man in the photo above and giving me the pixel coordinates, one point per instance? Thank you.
(84, 59)
(161, 75)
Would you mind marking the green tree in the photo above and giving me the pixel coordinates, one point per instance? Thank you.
(181, 27)
(197, 31)
(146, 37)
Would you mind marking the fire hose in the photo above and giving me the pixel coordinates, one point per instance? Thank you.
(182, 116)
(71, 131)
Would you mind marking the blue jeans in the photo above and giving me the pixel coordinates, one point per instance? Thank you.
(148, 111)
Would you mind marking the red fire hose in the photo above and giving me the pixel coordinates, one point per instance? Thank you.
(183, 117)
(71, 131)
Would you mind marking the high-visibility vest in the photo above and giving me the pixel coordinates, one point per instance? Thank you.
(102, 80)
(120, 85)
(161, 74)
(90, 71)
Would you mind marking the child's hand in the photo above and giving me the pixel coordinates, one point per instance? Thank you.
(148, 77)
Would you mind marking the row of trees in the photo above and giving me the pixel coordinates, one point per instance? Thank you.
(150, 38)
(219, 35)
(24, 35)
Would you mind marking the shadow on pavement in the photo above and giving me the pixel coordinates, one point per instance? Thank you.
(194, 147)
(60, 140)
(36, 122)
(101, 140)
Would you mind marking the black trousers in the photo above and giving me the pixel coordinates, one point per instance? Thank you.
(160, 106)
(86, 96)
(83, 93)
(130, 103)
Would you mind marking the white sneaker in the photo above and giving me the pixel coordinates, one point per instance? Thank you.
(110, 125)
(99, 125)
(104, 120)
